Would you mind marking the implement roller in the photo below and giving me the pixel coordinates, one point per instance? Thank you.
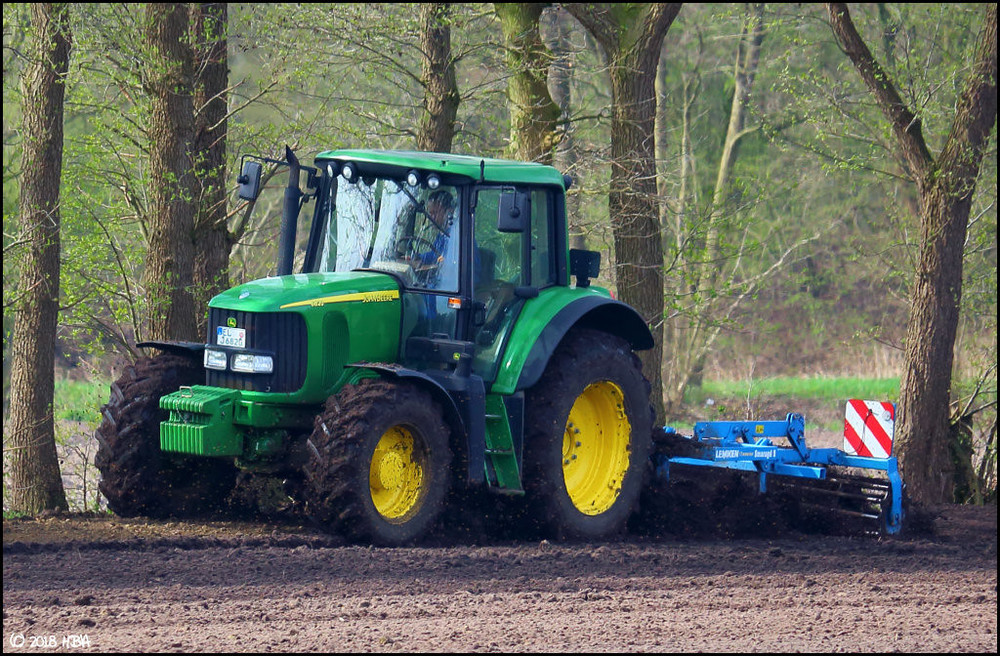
(861, 487)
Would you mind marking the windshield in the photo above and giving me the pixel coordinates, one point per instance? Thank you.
(382, 224)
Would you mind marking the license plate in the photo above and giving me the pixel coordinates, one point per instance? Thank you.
(235, 337)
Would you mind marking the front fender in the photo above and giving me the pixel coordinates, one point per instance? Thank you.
(191, 349)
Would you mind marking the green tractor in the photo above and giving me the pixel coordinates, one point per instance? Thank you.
(429, 332)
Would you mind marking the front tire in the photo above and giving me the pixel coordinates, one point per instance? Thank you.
(379, 461)
(136, 477)
(588, 437)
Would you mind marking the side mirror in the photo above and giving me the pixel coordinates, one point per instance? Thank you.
(515, 210)
(249, 180)
(584, 265)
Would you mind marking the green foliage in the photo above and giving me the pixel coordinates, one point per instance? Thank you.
(80, 401)
(977, 339)
(835, 165)
(14, 34)
(827, 388)
(736, 253)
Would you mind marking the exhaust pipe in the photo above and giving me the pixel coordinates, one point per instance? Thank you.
(289, 215)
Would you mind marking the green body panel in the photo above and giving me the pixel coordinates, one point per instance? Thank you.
(536, 314)
(506, 475)
(255, 414)
(474, 168)
(215, 421)
(335, 306)
(201, 422)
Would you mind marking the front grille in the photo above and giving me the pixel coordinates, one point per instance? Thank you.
(280, 333)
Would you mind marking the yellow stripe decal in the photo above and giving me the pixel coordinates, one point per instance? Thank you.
(364, 297)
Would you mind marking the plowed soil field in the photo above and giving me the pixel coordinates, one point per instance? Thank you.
(96, 583)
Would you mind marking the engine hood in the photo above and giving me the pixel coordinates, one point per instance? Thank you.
(308, 290)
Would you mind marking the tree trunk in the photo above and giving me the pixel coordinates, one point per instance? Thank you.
(946, 186)
(635, 219)
(631, 36)
(678, 279)
(565, 159)
(534, 116)
(922, 434)
(441, 97)
(35, 482)
(212, 238)
(745, 69)
(168, 277)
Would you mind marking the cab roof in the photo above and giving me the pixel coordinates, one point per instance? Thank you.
(475, 168)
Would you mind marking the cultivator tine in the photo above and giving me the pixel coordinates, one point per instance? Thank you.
(854, 497)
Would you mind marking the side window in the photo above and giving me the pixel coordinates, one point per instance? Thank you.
(499, 269)
(499, 254)
(543, 269)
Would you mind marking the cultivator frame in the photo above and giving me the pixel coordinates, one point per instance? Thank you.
(748, 446)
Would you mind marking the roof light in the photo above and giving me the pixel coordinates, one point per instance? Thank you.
(350, 172)
(413, 178)
(433, 182)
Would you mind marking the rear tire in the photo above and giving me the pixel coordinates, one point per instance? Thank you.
(588, 438)
(136, 477)
(379, 461)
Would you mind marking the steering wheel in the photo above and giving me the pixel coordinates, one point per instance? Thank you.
(407, 247)
(499, 297)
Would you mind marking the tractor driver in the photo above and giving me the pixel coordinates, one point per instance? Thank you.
(441, 258)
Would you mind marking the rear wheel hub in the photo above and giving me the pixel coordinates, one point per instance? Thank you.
(596, 448)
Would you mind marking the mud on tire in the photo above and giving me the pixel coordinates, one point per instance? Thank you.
(584, 466)
(136, 477)
(379, 461)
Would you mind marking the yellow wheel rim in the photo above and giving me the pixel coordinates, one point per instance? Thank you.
(596, 448)
(396, 474)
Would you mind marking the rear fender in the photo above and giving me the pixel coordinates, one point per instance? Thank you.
(538, 333)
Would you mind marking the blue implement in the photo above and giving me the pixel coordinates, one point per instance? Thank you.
(749, 446)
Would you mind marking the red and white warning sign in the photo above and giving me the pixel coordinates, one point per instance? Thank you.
(868, 428)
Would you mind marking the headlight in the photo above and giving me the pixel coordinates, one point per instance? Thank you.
(253, 364)
(215, 359)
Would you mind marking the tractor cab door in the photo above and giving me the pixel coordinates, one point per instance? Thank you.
(513, 260)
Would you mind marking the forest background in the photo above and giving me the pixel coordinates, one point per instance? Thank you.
(789, 226)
